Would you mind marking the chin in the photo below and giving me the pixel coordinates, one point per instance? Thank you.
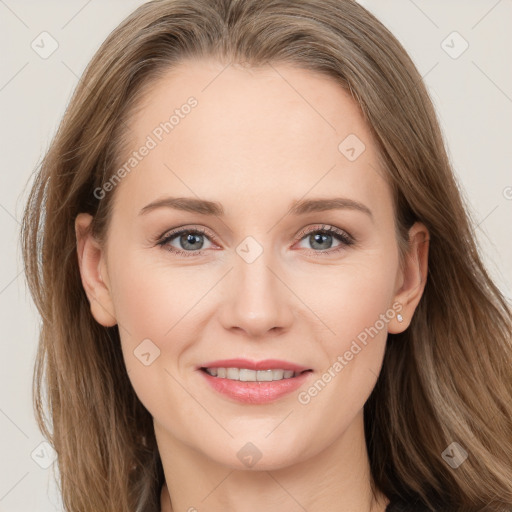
(261, 455)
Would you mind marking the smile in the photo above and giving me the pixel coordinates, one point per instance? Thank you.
(253, 387)
(247, 375)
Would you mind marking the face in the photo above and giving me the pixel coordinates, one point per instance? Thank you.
(296, 261)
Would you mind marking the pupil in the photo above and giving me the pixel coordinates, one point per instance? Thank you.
(190, 239)
(321, 238)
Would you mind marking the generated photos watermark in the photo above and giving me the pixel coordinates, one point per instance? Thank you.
(152, 140)
(305, 397)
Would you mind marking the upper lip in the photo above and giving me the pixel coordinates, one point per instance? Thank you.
(266, 364)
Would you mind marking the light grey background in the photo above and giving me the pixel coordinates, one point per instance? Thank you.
(472, 94)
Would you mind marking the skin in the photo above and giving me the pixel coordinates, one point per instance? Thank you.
(254, 143)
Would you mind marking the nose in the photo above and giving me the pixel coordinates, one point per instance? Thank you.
(256, 299)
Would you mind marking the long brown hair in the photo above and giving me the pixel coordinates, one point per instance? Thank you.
(447, 378)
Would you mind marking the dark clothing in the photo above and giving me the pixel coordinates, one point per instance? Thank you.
(400, 506)
(396, 505)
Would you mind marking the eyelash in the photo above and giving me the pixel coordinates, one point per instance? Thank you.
(346, 239)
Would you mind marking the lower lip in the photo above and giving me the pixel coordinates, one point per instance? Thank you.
(255, 392)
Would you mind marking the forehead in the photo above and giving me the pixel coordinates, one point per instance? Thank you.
(299, 104)
(274, 130)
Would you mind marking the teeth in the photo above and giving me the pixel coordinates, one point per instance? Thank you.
(233, 374)
(245, 375)
(266, 375)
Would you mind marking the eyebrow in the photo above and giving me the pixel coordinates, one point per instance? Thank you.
(298, 207)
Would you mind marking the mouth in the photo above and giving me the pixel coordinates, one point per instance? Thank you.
(251, 382)
(248, 375)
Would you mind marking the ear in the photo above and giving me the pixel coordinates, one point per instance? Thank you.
(93, 270)
(412, 277)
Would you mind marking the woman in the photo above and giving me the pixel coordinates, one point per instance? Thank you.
(258, 283)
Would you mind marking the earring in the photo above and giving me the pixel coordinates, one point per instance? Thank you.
(399, 317)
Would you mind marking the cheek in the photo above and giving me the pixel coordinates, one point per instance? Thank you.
(353, 298)
(155, 309)
(367, 296)
(151, 297)
(164, 304)
(355, 309)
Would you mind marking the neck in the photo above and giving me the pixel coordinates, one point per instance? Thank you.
(334, 480)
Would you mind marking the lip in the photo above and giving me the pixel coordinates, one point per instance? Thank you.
(266, 364)
(255, 392)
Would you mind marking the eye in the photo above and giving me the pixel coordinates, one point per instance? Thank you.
(191, 240)
(321, 237)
